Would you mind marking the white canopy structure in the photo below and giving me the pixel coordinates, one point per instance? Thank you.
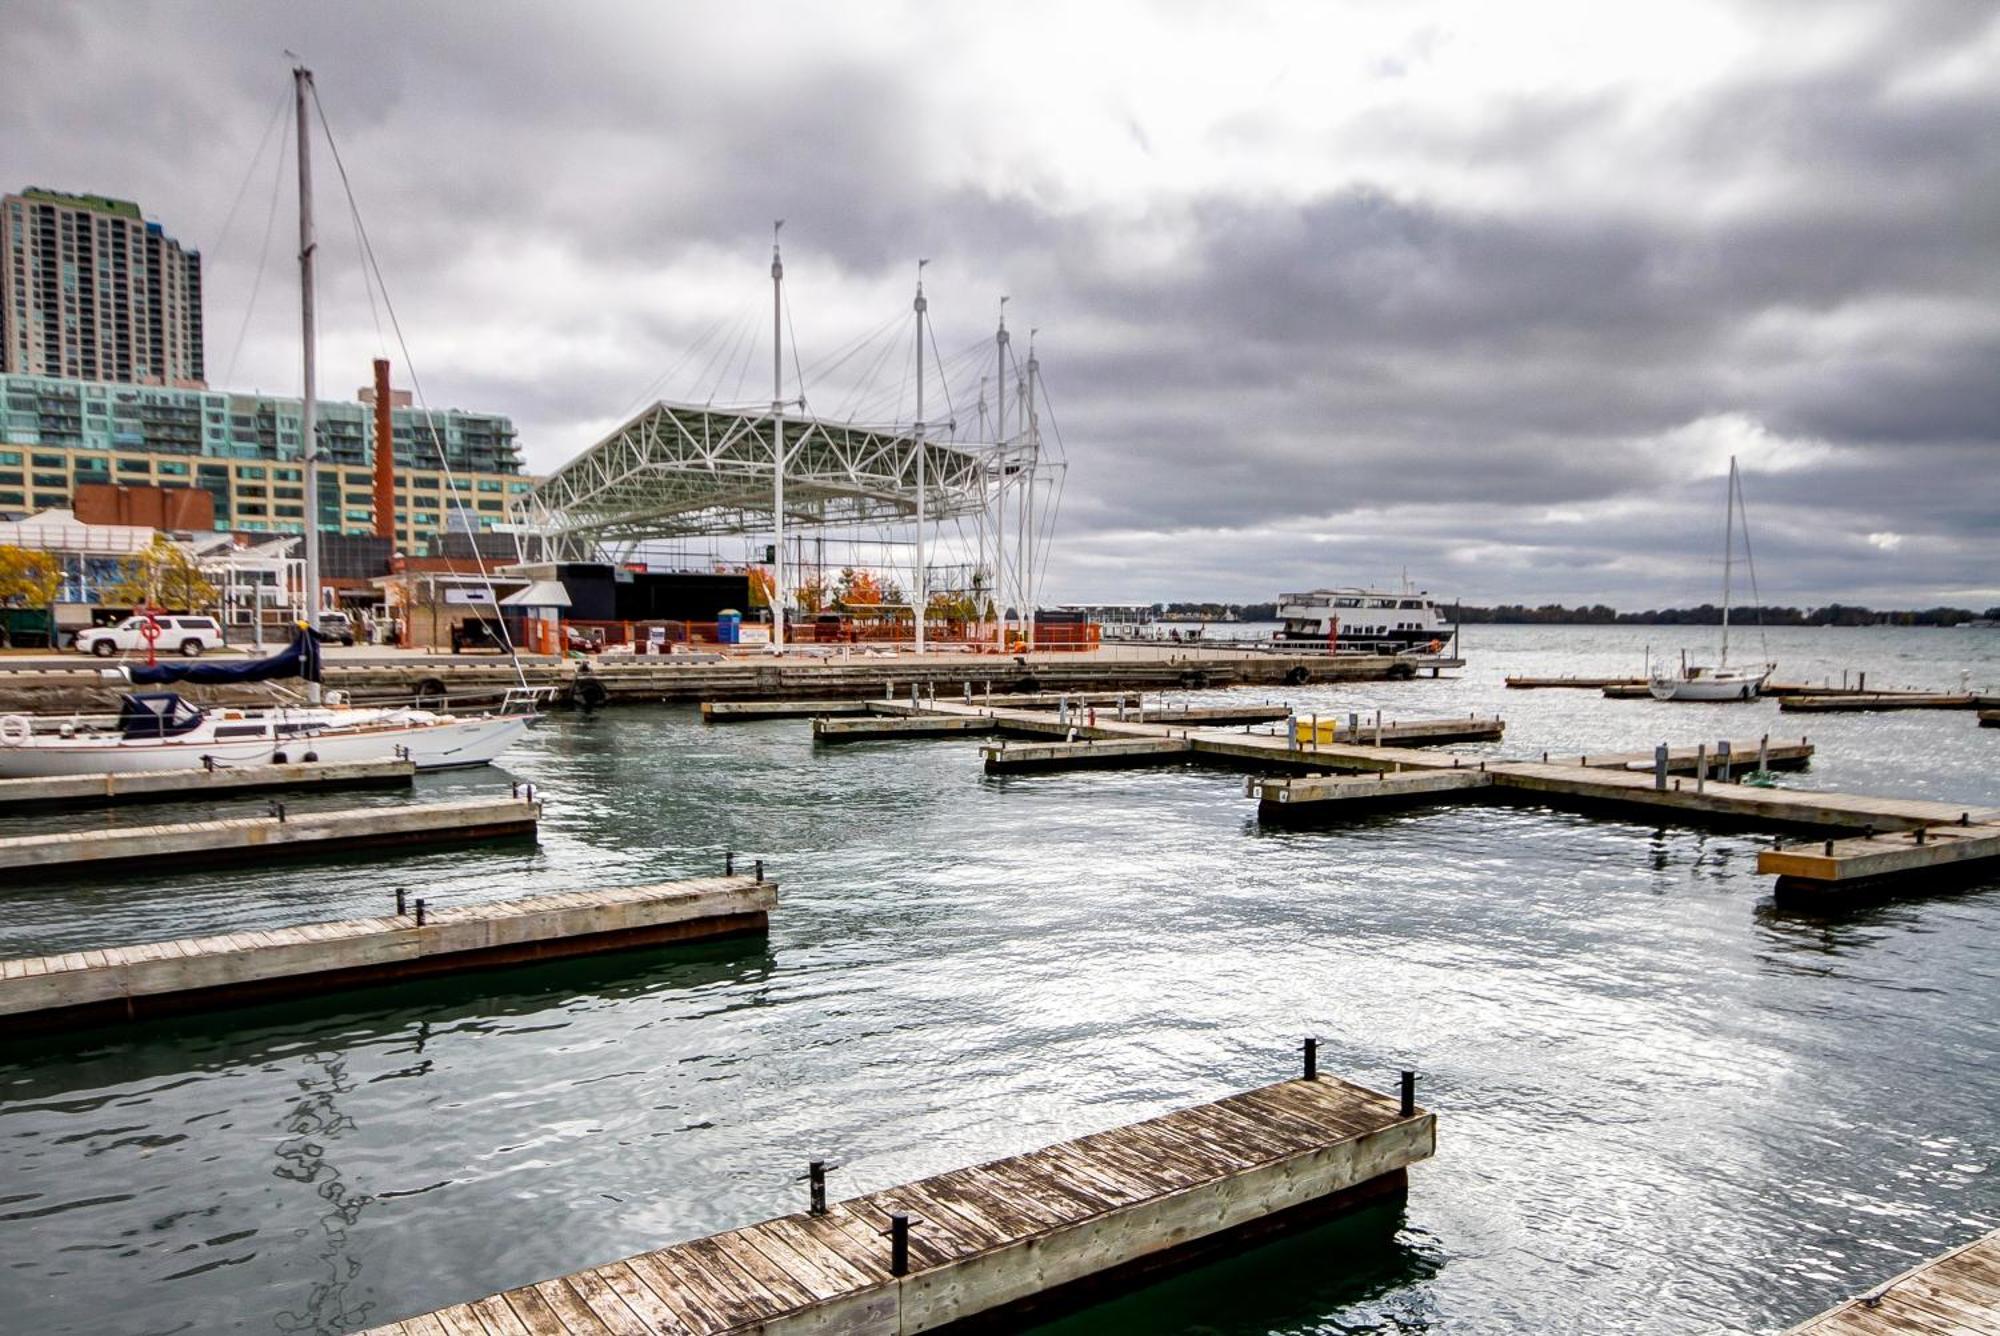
(680, 470)
(685, 470)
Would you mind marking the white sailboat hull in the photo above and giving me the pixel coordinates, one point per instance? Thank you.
(436, 745)
(1709, 685)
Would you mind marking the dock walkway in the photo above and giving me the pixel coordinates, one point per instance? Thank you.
(121, 983)
(142, 786)
(996, 1238)
(1958, 1293)
(278, 835)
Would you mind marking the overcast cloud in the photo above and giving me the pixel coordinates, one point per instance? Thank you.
(1326, 291)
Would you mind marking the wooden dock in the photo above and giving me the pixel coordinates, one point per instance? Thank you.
(1721, 759)
(1575, 683)
(123, 983)
(877, 727)
(1958, 1293)
(1873, 862)
(143, 786)
(752, 711)
(1211, 716)
(1398, 733)
(280, 834)
(1297, 798)
(1880, 700)
(1003, 758)
(999, 1241)
(1632, 785)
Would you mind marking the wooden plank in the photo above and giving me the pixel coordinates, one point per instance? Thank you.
(989, 1236)
(499, 1318)
(1957, 1291)
(663, 1278)
(219, 970)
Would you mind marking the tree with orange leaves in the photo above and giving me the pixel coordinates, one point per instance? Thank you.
(763, 587)
(857, 589)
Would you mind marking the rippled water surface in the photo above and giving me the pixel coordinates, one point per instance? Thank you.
(1665, 1106)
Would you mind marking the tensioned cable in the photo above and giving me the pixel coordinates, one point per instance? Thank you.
(416, 387)
(249, 172)
(263, 256)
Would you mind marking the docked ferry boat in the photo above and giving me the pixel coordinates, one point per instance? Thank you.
(1363, 621)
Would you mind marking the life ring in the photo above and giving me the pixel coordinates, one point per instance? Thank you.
(16, 730)
(1436, 645)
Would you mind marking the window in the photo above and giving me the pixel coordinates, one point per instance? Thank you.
(249, 471)
(51, 480)
(11, 475)
(135, 466)
(359, 480)
(46, 501)
(49, 462)
(10, 499)
(290, 512)
(489, 484)
(484, 504)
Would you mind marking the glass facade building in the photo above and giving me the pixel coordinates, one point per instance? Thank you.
(245, 451)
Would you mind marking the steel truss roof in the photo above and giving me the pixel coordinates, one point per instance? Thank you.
(678, 470)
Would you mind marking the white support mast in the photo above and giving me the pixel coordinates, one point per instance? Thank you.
(308, 435)
(780, 590)
(923, 576)
(1000, 497)
(1033, 423)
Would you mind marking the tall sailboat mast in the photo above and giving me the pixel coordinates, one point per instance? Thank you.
(1728, 557)
(923, 576)
(308, 434)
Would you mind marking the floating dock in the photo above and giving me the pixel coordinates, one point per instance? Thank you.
(1989, 718)
(1406, 733)
(1002, 1240)
(278, 835)
(1673, 784)
(1718, 760)
(1089, 754)
(1873, 862)
(1881, 700)
(1576, 683)
(1958, 1293)
(122, 983)
(1304, 797)
(876, 728)
(142, 786)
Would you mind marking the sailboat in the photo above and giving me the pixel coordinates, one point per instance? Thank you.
(162, 731)
(1720, 682)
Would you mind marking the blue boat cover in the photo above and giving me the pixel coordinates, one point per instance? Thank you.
(156, 714)
(298, 659)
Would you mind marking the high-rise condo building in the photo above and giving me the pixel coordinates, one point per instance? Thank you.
(89, 290)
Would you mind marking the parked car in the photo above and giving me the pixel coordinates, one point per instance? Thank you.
(477, 633)
(336, 626)
(178, 634)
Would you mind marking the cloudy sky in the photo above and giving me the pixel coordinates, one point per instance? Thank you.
(1324, 291)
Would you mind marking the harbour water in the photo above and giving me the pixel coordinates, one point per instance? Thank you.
(1665, 1105)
